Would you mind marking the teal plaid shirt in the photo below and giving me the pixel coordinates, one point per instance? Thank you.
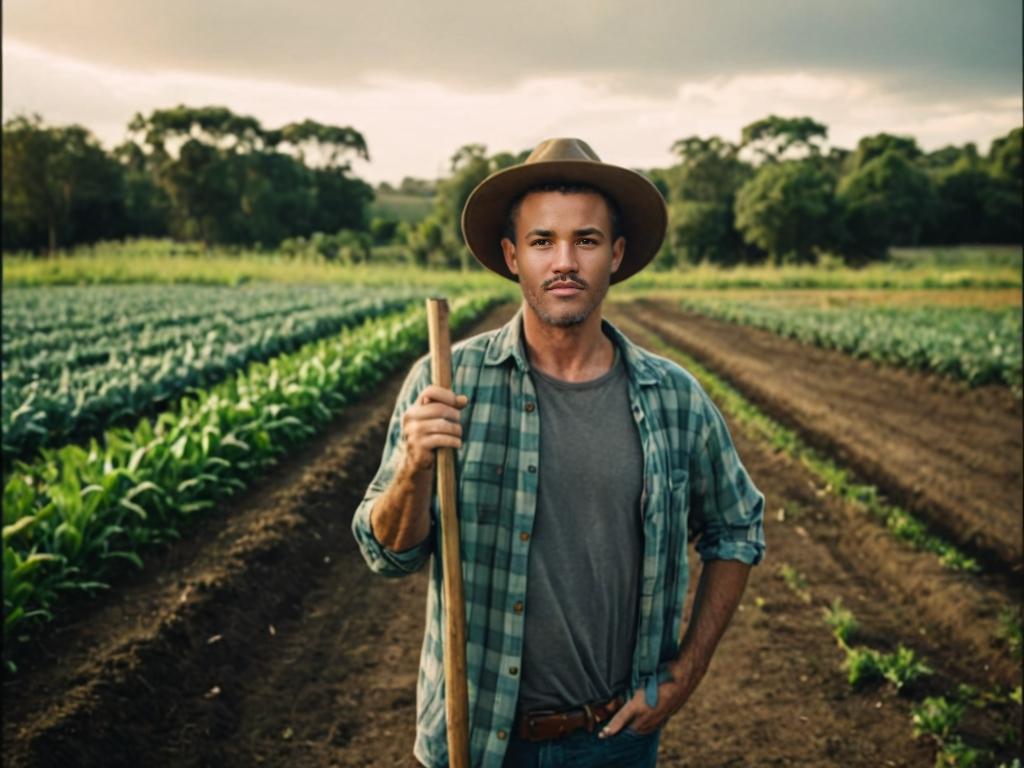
(694, 485)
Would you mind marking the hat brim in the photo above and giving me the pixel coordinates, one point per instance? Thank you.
(643, 215)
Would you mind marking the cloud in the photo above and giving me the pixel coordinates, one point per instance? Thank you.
(933, 46)
(414, 118)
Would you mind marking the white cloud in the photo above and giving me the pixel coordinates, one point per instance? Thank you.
(413, 126)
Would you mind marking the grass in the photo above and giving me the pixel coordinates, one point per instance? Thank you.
(410, 208)
(167, 261)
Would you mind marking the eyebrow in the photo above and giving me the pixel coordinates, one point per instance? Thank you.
(576, 233)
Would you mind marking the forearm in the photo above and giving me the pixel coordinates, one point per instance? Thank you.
(719, 590)
(400, 519)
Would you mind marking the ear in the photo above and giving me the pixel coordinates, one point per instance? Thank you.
(508, 249)
(618, 251)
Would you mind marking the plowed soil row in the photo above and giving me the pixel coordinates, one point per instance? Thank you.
(267, 641)
(952, 455)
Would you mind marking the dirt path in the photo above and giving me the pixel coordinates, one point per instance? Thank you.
(317, 657)
(951, 455)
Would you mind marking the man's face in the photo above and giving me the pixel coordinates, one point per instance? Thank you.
(563, 254)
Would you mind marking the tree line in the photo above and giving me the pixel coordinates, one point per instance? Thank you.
(200, 174)
(778, 194)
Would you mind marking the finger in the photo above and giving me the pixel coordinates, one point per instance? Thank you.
(622, 718)
(440, 441)
(434, 393)
(423, 428)
(433, 411)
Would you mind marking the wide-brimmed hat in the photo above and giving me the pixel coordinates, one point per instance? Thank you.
(642, 212)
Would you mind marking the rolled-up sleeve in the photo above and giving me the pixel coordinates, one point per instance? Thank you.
(726, 508)
(381, 559)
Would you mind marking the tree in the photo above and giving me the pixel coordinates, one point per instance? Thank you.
(1004, 158)
(59, 186)
(229, 180)
(702, 188)
(787, 209)
(888, 201)
(772, 137)
(871, 147)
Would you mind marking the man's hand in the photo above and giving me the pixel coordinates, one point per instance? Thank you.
(401, 517)
(672, 695)
(431, 422)
(718, 593)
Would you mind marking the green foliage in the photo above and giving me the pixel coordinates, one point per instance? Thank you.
(78, 360)
(59, 186)
(980, 346)
(772, 137)
(841, 621)
(937, 716)
(71, 515)
(1010, 631)
(886, 201)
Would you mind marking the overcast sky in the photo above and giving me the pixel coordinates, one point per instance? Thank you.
(420, 79)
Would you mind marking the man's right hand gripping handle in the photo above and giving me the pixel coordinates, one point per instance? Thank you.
(401, 517)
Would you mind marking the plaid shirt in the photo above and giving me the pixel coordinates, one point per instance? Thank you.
(694, 483)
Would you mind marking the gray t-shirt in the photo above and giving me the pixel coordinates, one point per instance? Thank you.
(584, 565)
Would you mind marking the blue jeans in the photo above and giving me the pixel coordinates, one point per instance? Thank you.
(580, 749)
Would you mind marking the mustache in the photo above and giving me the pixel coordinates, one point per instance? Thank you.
(561, 281)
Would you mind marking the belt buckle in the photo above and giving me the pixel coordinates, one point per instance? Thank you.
(591, 718)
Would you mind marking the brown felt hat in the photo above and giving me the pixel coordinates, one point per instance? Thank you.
(642, 211)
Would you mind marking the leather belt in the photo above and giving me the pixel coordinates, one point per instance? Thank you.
(544, 724)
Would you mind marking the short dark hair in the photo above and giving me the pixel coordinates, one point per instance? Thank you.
(565, 188)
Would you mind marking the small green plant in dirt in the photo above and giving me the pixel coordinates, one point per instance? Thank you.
(862, 665)
(1009, 632)
(938, 717)
(902, 667)
(796, 581)
(841, 621)
(956, 754)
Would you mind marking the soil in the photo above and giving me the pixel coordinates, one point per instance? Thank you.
(264, 639)
(952, 455)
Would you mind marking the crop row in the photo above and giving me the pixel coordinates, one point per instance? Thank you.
(41, 320)
(71, 515)
(49, 408)
(980, 346)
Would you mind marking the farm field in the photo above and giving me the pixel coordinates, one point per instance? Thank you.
(260, 637)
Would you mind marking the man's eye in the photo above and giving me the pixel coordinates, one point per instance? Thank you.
(539, 241)
(588, 241)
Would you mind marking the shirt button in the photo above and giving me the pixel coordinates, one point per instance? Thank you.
(513, 670)
(518, 607)
(502, 735)
(530, 407)
(499, 470)
(531, 469)
(524, 536)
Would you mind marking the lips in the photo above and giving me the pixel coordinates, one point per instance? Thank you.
(565, 288)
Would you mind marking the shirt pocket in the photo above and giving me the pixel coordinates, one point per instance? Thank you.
(480, 491)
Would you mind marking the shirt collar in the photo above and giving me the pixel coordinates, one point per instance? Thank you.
(508, 343)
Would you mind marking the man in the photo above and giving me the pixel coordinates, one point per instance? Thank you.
(582, 462)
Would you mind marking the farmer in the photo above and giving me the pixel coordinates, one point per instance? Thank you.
(585, 464)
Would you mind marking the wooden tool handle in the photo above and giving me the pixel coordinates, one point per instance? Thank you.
(457, 694)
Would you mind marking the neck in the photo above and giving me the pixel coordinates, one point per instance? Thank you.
(572, 353)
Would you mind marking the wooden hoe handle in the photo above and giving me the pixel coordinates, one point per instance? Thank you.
(457, 695)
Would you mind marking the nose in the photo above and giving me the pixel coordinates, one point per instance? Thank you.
(565, 258)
